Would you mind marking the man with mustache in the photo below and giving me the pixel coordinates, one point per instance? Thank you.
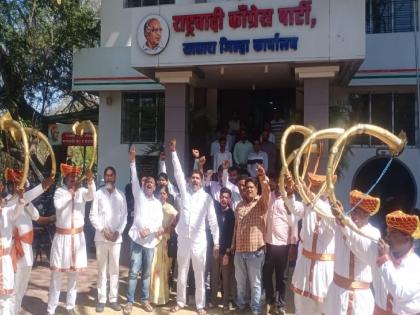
(396, 280)
(22, 253)
(109, 218)
(147, 226)
(196, 206)
(68, 250)
(9, 213)
(350, 292)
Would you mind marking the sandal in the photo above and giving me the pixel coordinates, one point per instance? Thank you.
(147, 307)
(201, 311)
(175, 308)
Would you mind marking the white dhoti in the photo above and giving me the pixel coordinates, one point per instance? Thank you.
(196, 252)
(22, 277)
(305, 306)
(338, 303)
(68, 254)
(108, 255)
(55, 286)
(6, 305)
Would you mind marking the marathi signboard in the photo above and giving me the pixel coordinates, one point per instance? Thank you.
(61, 134)
(251, 31)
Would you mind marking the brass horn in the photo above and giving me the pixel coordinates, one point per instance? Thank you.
(395, 143)
(285, 161)
(32, 132)
(17, 132)
(331, 133)
(79, 128)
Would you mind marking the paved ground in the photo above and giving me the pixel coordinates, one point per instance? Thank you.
(35, 302)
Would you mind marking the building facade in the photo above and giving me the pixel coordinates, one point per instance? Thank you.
(177, 68)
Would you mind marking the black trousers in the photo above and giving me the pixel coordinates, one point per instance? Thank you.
(276, 259)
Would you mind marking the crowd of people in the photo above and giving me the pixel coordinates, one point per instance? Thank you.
(228, 226)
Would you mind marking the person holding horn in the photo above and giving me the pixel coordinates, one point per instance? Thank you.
(68, 250)
(396, 280)
(350, 291)
(315, 263)
(9, 213)
(22, 253)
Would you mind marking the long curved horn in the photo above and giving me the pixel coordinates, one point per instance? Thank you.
(395, 143)
(331, 133)
(17, 132)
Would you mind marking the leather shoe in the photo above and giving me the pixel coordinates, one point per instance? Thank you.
(100, 307)
(115, 306)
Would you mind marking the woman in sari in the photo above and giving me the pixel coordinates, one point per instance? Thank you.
(159, 287)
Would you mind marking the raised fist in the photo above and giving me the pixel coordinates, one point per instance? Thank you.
(172, 145)
(132, 153)
(162, 156)
(260, 170)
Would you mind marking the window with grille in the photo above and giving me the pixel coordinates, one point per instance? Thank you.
(145, 3)
(390, 16)
(393, 111)
(143, 117)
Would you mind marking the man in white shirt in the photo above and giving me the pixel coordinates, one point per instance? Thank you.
(144, 232)
(196, 206)
(109, 218)
(68, 250)
(221, 155)
(8, 214)
(257, 157)
(242, 150)
(396, 280)
(22, 253)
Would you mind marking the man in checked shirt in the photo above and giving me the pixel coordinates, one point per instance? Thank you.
(248, 239)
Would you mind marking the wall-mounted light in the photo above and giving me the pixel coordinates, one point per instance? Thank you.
(222, 70)
(266, 69)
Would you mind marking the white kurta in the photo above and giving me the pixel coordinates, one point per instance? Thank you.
(7, 215)
(399, 279)
(24, 221)
(311, 278)
(361, 300)
(68, 252)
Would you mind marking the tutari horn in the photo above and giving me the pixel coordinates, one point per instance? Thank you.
(79, 128)
(17, 132)
(285, 161)
(395, 143)
(303, 189)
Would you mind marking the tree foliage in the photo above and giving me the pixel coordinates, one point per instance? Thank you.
(37, 40)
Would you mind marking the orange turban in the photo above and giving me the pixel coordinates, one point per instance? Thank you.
(367, 203)
(12, 175)
(69, 169)
(403, 222)
(317, 180)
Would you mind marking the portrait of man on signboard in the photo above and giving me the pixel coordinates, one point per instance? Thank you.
(54, 134)
(153, 35)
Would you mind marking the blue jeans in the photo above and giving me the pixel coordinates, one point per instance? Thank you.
(141, 260)
(248, 266)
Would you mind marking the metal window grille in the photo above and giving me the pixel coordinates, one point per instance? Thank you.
(389, 16)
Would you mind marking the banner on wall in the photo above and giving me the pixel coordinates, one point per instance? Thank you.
(61, 134)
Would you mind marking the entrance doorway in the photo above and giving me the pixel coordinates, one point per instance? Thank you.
(397, 189)
(254, 107)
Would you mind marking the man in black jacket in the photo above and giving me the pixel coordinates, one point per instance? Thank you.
(224, 263)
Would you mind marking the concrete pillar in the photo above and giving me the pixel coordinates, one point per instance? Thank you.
(316, 111)
(176, 120)
(177, 86)
(316, 102)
